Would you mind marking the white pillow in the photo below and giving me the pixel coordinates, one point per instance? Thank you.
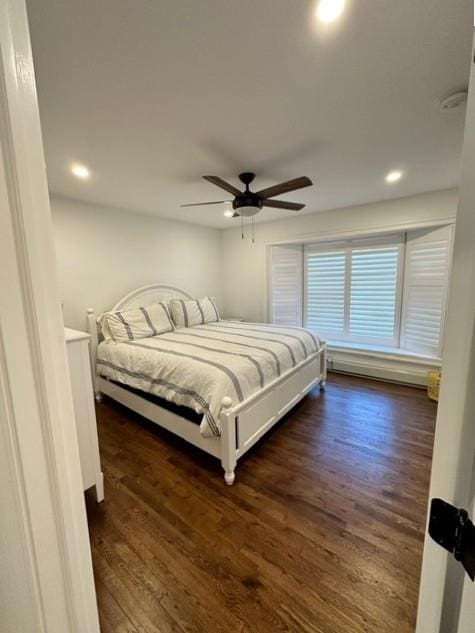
(142, 322)
(194, 311)
(210, 309)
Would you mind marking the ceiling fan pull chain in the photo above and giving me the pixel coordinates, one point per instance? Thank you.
(252, 226)
(242, 227)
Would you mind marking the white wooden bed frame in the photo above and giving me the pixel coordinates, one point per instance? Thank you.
(242, 424)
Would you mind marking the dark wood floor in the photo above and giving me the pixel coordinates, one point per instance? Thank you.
(322, 532)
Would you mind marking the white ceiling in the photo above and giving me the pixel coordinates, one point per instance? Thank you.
(152, 94)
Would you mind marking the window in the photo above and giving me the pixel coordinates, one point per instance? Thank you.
(374, 293)
(325, 292)
(382, 292)
(352, 292)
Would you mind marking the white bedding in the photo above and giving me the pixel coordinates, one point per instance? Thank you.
(197, 367)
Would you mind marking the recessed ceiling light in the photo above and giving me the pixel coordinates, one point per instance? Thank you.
(229, 213)
(330, 10)
(394, 176)
(80, 171)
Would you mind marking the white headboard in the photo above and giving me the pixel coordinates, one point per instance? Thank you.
(146, 295)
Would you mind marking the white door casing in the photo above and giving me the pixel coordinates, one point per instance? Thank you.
(46, 581)
(454, 448)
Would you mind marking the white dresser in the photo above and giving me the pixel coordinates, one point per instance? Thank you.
(77, 344)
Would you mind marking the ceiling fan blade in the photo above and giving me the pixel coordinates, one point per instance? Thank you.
(236, 215)
(200, 204)
(281, 204)
(285, 187)
(219, 182)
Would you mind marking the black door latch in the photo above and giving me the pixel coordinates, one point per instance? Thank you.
(452, 528)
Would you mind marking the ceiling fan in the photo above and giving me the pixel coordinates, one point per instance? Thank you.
(247, 203)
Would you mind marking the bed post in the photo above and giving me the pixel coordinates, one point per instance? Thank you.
(92, 329)
(228, 440)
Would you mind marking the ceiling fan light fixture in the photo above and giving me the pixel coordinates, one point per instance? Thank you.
(248, 210)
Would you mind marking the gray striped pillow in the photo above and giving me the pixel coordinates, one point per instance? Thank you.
(209, 309)
(194, 311)
(142, 322)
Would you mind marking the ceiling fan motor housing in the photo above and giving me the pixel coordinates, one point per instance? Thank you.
(247, 204)
(247, 177)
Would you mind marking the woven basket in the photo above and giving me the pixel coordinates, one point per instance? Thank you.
(433, 385)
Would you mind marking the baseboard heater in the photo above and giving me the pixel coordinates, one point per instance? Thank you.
(412, 376)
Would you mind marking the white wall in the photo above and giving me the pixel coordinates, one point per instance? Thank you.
(244, 264)
(103, 253)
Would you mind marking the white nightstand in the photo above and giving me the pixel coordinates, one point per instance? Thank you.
(77, 345)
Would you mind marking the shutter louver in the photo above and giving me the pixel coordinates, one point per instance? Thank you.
(373, 294)
(426, 279)
(325, 290)
(286, 275)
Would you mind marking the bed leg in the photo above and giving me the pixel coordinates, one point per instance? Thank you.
(93, 343)
(323, 368)
(229, 477)
(228, 441)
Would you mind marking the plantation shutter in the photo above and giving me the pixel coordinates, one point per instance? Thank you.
(286, 284)
(425, 290)
(325, 292)
(373, 294)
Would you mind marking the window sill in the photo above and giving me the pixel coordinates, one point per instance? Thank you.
(380, 351)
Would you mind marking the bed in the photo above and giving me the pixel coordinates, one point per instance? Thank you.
(235, 379)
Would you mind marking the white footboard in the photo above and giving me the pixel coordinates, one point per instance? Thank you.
(242, 426)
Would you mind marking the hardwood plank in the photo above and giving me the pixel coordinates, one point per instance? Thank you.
(113, 619)
(322, 532)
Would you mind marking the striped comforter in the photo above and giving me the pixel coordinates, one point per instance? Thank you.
(198, 366)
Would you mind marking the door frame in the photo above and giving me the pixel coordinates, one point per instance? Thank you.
(46, 578)
(442, 578)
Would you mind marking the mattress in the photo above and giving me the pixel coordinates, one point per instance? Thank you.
(177, 409)
(197, 367)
